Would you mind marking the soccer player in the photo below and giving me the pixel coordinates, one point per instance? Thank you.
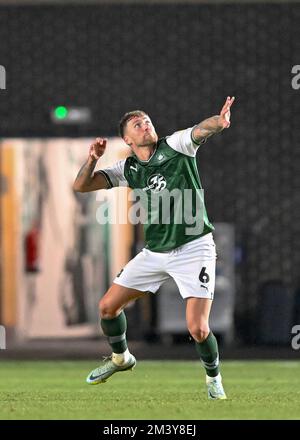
(176, 249)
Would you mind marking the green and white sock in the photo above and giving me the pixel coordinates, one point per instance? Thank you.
(115, 330)
(209, 355)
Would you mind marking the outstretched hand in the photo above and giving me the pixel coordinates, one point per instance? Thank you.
(225, 112)
(97, 148)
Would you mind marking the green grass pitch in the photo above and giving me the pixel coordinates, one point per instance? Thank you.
(154, 390)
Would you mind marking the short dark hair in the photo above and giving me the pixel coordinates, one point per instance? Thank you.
(125, 118)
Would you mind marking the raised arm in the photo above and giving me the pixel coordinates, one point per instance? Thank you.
(86, 179)
(213, 125)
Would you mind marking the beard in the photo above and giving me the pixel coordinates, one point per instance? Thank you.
(149, 140)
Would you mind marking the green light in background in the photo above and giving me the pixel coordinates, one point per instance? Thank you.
(61, 112)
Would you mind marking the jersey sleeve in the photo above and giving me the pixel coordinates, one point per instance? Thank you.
(183, 142)
(115, 174)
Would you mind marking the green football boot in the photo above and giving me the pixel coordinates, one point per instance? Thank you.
(102, 373)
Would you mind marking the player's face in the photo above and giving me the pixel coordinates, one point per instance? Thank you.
(140, 132)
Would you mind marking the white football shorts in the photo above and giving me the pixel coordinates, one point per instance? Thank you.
(192, 266)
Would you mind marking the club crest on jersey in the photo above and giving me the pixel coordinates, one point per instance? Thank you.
(156, 183)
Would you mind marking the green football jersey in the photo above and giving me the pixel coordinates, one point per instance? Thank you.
(168, 189)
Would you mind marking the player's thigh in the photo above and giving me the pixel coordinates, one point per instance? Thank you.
(197, 312)
(116, 298)
(197, 315)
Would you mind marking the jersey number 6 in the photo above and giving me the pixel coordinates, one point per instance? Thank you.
(204, 277)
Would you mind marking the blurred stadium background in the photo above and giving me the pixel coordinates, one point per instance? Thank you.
(72, 70)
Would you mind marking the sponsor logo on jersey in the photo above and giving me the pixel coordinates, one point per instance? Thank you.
(133, 167)
(156, 183)
(160, 157)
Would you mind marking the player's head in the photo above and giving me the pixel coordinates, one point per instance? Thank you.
(137, 129)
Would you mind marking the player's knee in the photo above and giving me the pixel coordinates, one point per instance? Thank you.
(199, 332)
(106, 310)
